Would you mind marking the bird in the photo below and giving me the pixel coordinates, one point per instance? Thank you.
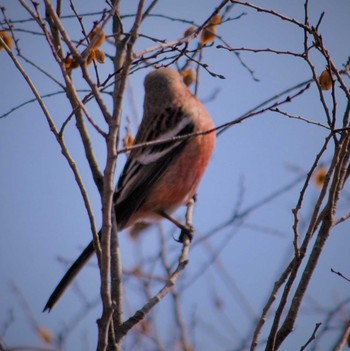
(157, 179)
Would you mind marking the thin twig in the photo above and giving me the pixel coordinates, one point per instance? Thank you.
(140, 314)
(343, 338)
(312, 337)
(59, 139)
(340, 275)
(221, 128)
(341, 160)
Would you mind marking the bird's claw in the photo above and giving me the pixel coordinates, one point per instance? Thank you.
(187, 232)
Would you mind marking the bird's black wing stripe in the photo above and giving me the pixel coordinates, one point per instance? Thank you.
(150, 175)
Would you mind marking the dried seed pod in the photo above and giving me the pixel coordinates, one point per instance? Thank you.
(320, 176)
(325, 80)
(70, 63)
(188, 76)
(101, 36)
(99, 55)
(189, 31)
(90, 58)
(128, 140)
(7, 40)
(46, 335)
(210, 30)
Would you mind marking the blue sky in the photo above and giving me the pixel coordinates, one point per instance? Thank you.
(42, 214)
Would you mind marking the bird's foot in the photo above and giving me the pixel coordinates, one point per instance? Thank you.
(187, 233)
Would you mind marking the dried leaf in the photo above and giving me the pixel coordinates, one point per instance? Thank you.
(128, 140)
(189, 31)
(7, 39)
(209, 31)
(101, 36)
(99, 55)
(320, 176)
(325, 80)
(70, 64)
(188, 76)
(46, 335)
(90, 58)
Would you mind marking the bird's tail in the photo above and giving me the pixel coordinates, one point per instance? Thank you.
(69, 276)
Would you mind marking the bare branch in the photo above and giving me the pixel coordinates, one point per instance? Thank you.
(312, 337)
(140, 314)
(340, 275)
(343, 338)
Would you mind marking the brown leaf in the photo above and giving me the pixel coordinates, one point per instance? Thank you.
(128, 140)
(189, 31)
(90, 58)
(188, 76)
(70, 64)
(7, 39)
(210, 30)
(325, 80)
(46, 335)
(99, 55)
(320, 176)
(101, 36)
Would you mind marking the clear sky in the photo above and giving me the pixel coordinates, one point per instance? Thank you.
(42, 214)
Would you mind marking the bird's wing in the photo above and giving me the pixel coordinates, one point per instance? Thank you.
(145, 166)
